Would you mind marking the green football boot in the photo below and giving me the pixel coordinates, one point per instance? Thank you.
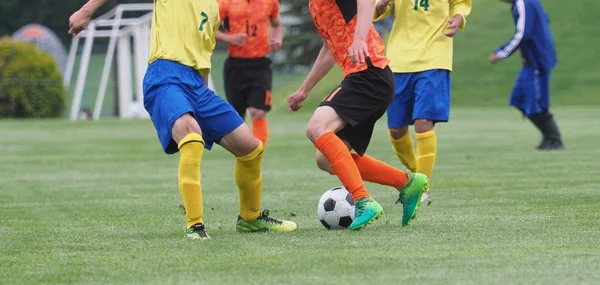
(196, 232)
(410, 196)
(264, 223)
(366, 211)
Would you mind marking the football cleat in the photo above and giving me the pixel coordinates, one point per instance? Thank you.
(410, 196)
(265, 223)
(366, 211)
(196, 231)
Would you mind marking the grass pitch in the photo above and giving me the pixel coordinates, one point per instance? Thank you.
(96, 202)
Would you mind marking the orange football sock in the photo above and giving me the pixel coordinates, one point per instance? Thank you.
(260, 130)
(379, 172)
(342, 163)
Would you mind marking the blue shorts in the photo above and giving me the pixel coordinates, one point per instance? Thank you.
(172, 90)
(531, 93)
(420, 95)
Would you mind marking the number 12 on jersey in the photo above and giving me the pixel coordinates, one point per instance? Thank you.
(421, 3)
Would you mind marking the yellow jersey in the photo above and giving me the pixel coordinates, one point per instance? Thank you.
(184, 31)
(417, 41)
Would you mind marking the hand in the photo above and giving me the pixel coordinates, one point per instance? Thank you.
(79, 21)
(494, 58)
(237, 39)
(276, 44)
(454, 24)
(358, 51)
(296, 99)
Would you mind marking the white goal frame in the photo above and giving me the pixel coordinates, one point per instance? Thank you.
(123, 31)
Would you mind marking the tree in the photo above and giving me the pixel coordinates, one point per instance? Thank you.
(302, 41)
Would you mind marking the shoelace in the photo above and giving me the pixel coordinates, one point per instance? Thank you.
(400, 198)
(265, 217)
(359, 206)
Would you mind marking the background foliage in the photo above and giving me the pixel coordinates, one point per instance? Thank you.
(30, 82)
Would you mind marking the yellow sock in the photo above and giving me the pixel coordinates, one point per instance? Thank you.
(248, 177)
(405, 150)
(426, 151)
(191, 148)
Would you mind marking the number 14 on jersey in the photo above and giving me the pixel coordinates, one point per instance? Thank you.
(421, 3)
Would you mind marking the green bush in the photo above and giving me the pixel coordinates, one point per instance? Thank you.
(30, 82)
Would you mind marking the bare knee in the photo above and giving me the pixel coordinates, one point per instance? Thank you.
(423, 125)
(257, 114)
(322, 162)
(183, 126)
(315, 130)
(397, 133)
(324, 120)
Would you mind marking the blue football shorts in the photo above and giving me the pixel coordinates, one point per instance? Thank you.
(172, 90)
(420, 95)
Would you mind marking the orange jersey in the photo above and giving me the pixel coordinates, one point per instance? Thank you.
(251, 17)
(336, 22)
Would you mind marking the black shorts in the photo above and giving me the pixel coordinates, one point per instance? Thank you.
(360, 100)
(248, 83)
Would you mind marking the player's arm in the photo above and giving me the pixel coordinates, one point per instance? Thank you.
(277, 36)
(277, 28)
(383, 9)
(461, 8)
(322, 66)
(80, 19)
(522, 31)
(358, 51)
(234, 39)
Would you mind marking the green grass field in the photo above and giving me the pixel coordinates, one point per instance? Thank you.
(96, 203)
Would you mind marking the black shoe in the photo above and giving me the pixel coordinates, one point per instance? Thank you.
(552, 145)
(551, 135)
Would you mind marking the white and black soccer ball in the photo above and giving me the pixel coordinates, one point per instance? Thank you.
(336, 208)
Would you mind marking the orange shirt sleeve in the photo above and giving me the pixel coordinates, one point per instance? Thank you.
(275, 10)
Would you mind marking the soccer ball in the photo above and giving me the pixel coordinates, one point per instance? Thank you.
(336, 208)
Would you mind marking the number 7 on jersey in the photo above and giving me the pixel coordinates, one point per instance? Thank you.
(204, 20)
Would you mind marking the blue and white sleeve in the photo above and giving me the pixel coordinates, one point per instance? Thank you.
(523, 31)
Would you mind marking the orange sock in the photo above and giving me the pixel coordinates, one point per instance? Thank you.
(379, 172)
(260, 130)
(342, 163)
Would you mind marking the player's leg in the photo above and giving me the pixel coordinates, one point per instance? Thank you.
(523, 99)
(259, 98)
(350, 113)
(432, 104)
(235, 84)
(170, 107)
(531, 96)
(553, 140)
(221, 124)
(399, 117)
(410, 186)
(188, 136)
(321, 130)
(260, 103)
